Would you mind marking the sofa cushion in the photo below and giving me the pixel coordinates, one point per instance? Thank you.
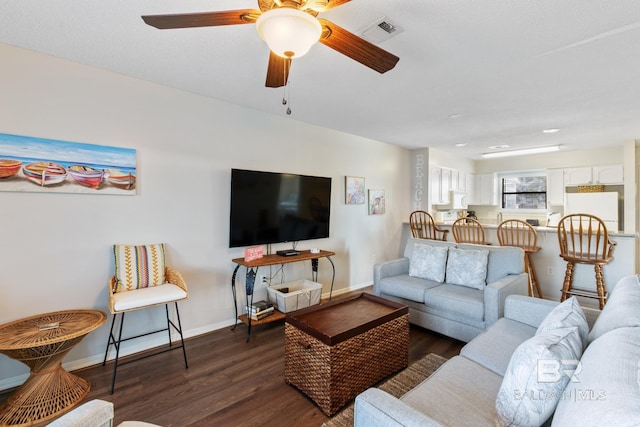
(459, 393)
(456, 302)
(607, 389)
(621, 309)
(428, 262)
(412, 242)
(503, 260)
(529, 394)
(467, 268)
(565, 315)
(405, 286)
(494, 347)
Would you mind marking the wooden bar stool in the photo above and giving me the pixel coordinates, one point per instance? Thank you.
(468, 230)
(424, 227)
(583, 239)
(514, 232)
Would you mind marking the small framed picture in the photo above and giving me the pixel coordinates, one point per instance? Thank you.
(354, 190)
(376, 202)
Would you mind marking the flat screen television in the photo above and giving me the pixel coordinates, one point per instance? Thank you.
(269, 207)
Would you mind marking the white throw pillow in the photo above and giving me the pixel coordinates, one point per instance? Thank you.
(536, 376)
(428, 262)
(565, 315)
(467, 267)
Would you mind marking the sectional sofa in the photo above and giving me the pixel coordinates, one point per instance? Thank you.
(543, 363)
(455, 289)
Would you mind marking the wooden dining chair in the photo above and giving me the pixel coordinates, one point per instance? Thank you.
(514, 232)
(468, 230)
(424, 227)
(584, 239)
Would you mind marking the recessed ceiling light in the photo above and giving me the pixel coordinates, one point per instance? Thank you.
(551, 130)
(455, 116)
(461, 144)
(499, 147)
(522, 151)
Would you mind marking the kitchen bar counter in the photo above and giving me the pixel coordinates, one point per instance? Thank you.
(550, 267)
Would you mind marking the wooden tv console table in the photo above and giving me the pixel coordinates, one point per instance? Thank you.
(267, 260)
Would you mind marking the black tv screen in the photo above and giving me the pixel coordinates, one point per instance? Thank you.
(269, 207)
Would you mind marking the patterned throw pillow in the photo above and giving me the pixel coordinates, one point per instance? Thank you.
(467, 267)
(532, 385)
(564, 315)
(138, 266)
(428, 262)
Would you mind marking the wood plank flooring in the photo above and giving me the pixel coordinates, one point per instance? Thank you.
(229, 382)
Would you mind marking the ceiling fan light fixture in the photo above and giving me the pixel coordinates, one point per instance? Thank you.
(288, 32)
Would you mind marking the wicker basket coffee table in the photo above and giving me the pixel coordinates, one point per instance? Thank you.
(337, 350)
(41, 342)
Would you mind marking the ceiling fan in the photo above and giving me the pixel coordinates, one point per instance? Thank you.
(300, 13)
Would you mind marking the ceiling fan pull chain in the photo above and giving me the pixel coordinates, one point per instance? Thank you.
(287, 91)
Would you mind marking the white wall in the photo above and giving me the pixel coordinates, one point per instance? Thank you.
(56, 247)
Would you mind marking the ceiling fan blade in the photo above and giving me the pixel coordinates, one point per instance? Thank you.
(277, 71)
(334, 3)
(356, 48)
(204, 19)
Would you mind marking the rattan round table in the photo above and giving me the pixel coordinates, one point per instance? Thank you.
(41, 342)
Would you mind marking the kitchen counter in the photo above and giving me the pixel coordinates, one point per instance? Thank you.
(550, 267)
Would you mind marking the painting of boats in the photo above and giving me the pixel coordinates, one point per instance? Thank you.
(9, 167)
(65, 167)
(86, 175)
(119, 179)
(45, 173)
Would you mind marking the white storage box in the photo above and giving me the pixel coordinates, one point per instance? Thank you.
(302, 293)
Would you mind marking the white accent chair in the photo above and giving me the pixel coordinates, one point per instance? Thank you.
(143, 281)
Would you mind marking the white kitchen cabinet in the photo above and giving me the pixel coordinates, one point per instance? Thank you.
(485, 189)
(577, 176)
(440, 185)
(611, 174)
(445, 185)
(555, 186)
(459, 180)
(435, 177)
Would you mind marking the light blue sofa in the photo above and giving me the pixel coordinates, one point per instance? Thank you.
(602, 389)
(448, 304)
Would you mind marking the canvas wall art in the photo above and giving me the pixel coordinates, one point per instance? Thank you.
(45, 165)
(354, 190)
(376, 202)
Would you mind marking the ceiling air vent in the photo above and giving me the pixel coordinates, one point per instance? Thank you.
(381, 30)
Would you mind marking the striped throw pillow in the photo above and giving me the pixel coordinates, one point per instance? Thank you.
(138, 266)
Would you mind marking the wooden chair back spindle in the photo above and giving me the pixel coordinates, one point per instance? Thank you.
(424, 227)
(468, 230)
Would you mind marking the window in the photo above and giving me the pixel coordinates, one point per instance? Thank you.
(524, 192)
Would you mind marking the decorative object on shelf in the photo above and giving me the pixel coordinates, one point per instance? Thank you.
(376, 202)
(354, 190)
(590, 188)
(65, 167)
(253, 253)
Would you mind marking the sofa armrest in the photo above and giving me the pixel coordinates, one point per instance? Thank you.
(497, 292)
(386, 269)
(95, 412)
(531, 311)
(375, 407)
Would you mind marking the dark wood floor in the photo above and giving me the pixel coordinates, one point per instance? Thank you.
(229, 382)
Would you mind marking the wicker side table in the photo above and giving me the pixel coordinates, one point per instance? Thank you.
(41, 342)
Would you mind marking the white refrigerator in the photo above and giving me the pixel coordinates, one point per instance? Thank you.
(604, 205)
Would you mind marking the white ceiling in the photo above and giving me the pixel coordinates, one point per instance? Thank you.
(508, 68)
